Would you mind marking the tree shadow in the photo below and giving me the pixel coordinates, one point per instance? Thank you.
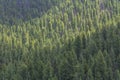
(14, 12)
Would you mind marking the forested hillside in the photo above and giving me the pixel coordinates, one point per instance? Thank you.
(59, 40)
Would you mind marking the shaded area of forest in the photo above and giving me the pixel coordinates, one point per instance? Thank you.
(17, 11)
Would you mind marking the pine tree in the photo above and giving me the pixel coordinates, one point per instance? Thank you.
(100, 67)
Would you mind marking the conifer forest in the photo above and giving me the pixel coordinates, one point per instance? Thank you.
(59, 39)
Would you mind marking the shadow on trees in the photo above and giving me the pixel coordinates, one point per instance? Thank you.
(16, 11)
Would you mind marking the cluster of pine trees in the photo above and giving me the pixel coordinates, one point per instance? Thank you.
(72, 40)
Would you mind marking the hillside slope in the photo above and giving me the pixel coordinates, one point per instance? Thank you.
(75, 40)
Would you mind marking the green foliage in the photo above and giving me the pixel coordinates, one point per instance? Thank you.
(60, 40)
